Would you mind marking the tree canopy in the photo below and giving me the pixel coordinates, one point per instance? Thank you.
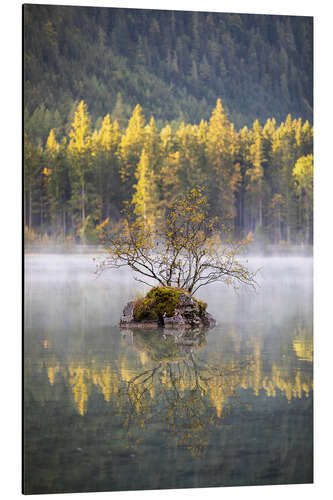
(174, 64)
(186, 250)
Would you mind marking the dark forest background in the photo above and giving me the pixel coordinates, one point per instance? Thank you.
(122, 104)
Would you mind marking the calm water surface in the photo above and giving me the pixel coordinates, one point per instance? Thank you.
(113, 409)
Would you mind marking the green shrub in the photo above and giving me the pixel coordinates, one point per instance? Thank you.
(144, 309)
(202, 306)
(157, 302)
(161, 301)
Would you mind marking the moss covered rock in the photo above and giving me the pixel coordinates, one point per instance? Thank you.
(169, 308)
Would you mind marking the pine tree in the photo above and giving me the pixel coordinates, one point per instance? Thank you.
(131, 146)
(168, 173)
(303, 174)
(33, 168)
(276, 212)
(120, 112)
(191, 143)
(58, 183)
(242, 222)
(146, 197)
(284, 156)
(152, 144)
(79, 150)
(106, 145)
(306, 140)
(225, 172)
(255, 175)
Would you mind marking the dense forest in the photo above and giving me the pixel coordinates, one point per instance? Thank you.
(260, 178)
(174, 64)
(89, 146)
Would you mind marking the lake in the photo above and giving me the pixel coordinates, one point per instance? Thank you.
(109, 409)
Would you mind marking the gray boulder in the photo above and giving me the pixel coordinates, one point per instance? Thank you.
(187, 314)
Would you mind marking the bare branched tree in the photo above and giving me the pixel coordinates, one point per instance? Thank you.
(186, 250)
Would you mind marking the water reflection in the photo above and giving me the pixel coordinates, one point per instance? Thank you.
(230, 406)
(188, 389)
(168, 379)
(303, 343)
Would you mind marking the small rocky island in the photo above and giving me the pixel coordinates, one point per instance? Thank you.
(182, 251)
(166, 307)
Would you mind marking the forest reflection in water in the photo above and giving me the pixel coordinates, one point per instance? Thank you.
(229, 406)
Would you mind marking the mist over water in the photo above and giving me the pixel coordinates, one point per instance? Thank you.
(71, 283)
(244, 389)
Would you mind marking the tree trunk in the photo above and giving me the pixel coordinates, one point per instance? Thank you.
(307, 233)
(41, 214)
(30, 209)
(64, 222)
(83, 208)
(25, 206)
(288, 215)
(279, 227)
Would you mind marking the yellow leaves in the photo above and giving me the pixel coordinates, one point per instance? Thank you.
(79, 381)
(303, 344)
(132, 140)
(104, 137)
(47, 171)
(52, 145)
(180, 249)
(146, 196)
(80, 134)
(249, 237)
(102, 229)
(197, 218)
(104, 223)
(303, 173)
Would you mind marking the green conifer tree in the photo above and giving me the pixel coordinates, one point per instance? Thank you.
(303, 174)
(58, 183)
(255, 175)
(225, 172)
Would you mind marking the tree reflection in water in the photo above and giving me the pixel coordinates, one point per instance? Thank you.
(90, 397)
(165, 402)
(193, 394)
(166, 380)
